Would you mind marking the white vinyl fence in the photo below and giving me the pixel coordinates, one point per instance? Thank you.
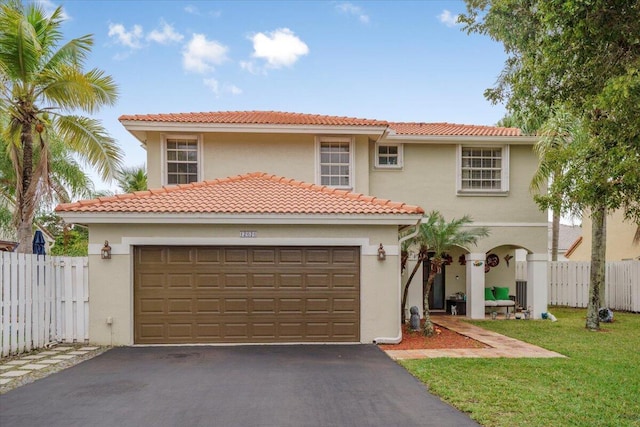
(44, 299)
(569, 284)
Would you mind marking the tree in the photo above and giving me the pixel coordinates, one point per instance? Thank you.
(66, 181)
(435, 238)
(585, 56)
(132, 179)
(41, 84)
(559, 131)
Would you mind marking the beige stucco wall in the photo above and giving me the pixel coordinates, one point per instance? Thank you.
(619, 239)
(288, 155)
(111, 281)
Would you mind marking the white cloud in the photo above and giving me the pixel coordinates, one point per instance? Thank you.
(251, 67)
(49, 7)
(200, 55)
(448, 19)
(212, 84)
(130, 39)
(165, 35)
(351, 9)
(191, 9)
(232, 89)
(279, 48)
(216, 88)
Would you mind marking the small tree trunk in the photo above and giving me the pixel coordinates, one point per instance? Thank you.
(405, 293)
(598, 262)
(555, 234)
(427, 328)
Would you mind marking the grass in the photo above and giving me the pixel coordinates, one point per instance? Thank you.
(598, 384)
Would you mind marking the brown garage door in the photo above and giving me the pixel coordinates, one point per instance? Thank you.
(246, 294)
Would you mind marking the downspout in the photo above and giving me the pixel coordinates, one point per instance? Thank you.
(397, 339)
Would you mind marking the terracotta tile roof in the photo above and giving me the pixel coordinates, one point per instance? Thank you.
(254, 193)
(284, 118)
(254, 117)
(451, 129)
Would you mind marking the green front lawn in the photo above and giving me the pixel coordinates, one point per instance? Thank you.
(598, 384)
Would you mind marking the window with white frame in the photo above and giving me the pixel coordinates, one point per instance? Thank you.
(389, 156)
(483, 169)
(182, 156)
(335, 162)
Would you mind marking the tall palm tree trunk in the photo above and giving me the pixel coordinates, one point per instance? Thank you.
(598, 262)
(25, 203)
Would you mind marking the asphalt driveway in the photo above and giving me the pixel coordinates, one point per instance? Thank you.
(311, 385)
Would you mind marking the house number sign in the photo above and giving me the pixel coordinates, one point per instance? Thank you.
(249, 234)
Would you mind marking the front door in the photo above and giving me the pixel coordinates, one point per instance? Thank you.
(437, 292)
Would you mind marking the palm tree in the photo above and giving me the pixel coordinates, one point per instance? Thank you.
(555, 134)
(40, 85)
(132, 178)
(66, 181)
(439, 237)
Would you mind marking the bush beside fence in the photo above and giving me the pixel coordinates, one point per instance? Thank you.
(44, 299)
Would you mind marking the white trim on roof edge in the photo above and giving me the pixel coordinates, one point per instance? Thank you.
(200, 218)
(460, 139)
(143, 126)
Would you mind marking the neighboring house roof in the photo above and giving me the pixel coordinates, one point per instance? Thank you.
(451, 129)
(573, 247)
(568, 235)
(293, 119)
(254, 193)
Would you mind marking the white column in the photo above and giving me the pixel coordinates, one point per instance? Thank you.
(537, 283)
(475, 285)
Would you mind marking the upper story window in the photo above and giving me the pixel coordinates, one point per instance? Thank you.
(483, 169)
(335, 167)
(389, 156)
(182, 154)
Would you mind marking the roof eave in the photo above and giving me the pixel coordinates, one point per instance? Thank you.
(464, 139)
(138, 128)
(209, 218)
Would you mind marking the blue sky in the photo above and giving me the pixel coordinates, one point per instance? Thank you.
(387, 60)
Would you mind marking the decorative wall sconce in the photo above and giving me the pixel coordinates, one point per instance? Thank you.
(105, 252)
(382, 254)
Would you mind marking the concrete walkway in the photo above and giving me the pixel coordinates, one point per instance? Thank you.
(22, 369)
(499, 345)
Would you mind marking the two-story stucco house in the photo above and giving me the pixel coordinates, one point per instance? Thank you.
(282, 227)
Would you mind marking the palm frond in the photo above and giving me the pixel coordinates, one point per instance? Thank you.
(91, 142)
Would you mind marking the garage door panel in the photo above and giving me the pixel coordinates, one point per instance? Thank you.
(208, 281)
(236, 295)
(179, 255)
(291, 256)
(264, 281)
(238, 280)
(291, 281)
(150, 280)
(236, 256)
(151, 306)
(151, 255)
(343, 281)
(179, 280)
(177, 330)
(208, 256)
(318, 256)
(264, 256)
(207, 306)
(208, 331)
